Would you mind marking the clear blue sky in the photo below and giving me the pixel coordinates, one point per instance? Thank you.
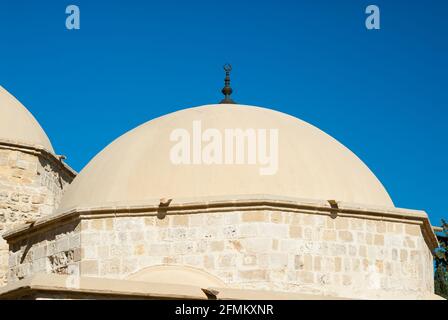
(381, 93)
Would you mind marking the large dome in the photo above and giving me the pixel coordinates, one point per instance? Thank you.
(18, 125)
(136, 168)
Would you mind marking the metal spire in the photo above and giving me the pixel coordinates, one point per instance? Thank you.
(227, 90)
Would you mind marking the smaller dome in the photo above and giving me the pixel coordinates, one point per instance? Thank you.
(18, 125)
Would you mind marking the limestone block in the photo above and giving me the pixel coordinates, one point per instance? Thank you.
(109, 267)
(345, 236)
(197, 220)
(209, 262)
(381, 227)
(216, 246)
(329, 235)
(139, 249)
(256, 245)
(279, 260)
(357, 224)
(341, 223)
(251, 275)
(193, 260)
(379, 240)
(89, 267)
(249, 260)
(276, 217)
(172, 260)
(362, 250)
(183, 247)
(409, 242)
(295, 231)
(230, 232)
(412, 230)
(136, 236)
(248, 230)
(129, 265)
(254, 216)
(159, 249)
(233, 218)
(305, 277)
(90, 239)
(97, 224)
(214, 219)
(227, 261)
(180, 221)
(124, 250)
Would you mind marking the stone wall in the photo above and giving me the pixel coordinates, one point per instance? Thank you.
(49, 251)
(284, 251)
(3, 262)
(31, 186)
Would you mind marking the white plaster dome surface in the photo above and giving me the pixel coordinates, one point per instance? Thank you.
(136, 167)
(18, 125)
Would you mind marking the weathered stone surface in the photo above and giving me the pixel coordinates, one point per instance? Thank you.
(30, 187)
(258, 250)
(46, 252)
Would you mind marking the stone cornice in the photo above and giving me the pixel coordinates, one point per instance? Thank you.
(39, 151)
(63, 284)
(58, 286)
(235, 203)
(88, 287)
